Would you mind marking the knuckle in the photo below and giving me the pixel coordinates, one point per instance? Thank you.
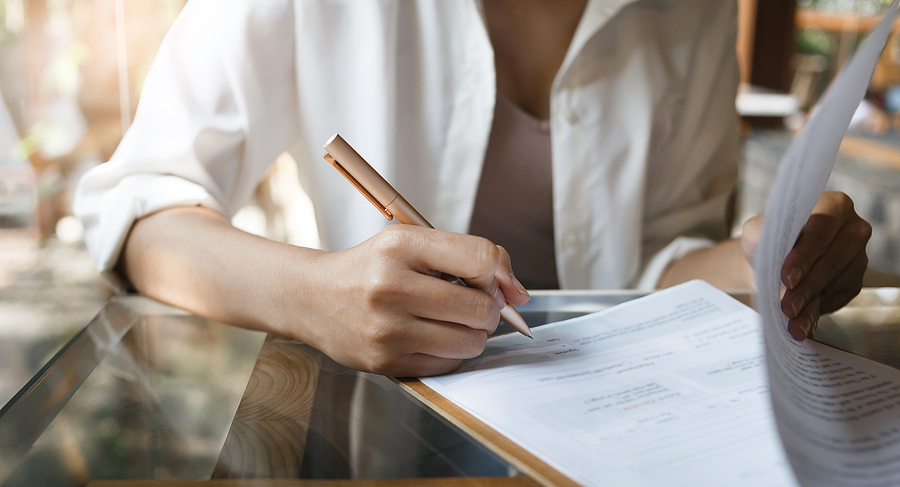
(379, 289)
(378, 336)
(803, 261)
(839, 199)
(490, 331)
(505, 259)
(832, 264)
(393, 238)
(483, 309)
(502, 253)
(375, 350)
(862, 229)
(478, 344)
(471, 344)
(845, 201)
(485, 255)
(818, 239)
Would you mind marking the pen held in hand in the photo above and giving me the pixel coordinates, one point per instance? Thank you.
(392, 205)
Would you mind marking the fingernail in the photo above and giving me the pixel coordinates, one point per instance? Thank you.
(793, 277)
(796, 331)
(499, 298)
(797, 304)
(518, 285)
(804, 325)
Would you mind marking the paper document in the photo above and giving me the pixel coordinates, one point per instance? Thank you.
(838, 414)
(669, 389)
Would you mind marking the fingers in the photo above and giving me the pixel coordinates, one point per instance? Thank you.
(421, 365)
(406, 321)
(804, 325)
(827, 219)
(423, 296)
(416, 347)
(474, 259)
(826, 270)
(846, 286)
(428, 337)
(512, 289)
(833, 215)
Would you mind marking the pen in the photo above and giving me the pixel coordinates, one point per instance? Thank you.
(391, 204)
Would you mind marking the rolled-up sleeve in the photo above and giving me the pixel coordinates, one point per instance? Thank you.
(218, 106)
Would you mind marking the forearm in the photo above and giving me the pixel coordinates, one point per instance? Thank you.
(722, 265)
(193, 258)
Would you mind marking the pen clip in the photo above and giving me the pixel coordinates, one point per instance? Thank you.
(362, 189)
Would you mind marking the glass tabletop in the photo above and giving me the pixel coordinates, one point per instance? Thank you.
(146, 391)
(143, 391)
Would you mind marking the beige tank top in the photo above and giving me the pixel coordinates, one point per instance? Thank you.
(514, 205)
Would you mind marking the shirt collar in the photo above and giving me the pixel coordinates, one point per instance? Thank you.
(597, 13)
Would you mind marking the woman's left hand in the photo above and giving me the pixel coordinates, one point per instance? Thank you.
(825, 269)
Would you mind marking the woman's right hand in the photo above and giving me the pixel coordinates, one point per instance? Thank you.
(379, 306)
(382, 307)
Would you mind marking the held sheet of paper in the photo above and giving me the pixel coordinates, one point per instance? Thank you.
(838, 414)
(671, 389)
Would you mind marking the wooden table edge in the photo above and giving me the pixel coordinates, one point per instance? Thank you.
(508, 450)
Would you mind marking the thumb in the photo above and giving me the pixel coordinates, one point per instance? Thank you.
(512, 289)
(750, 236)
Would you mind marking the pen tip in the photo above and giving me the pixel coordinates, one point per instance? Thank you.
(531, 336)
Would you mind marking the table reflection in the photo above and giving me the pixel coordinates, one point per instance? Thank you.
(868, 326)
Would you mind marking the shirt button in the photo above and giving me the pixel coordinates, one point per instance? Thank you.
(570, 113)
(572, 239)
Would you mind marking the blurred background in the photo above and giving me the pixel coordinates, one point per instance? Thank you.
(71, 73)
(70, 76)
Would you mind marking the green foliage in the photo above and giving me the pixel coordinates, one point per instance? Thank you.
(813, 40)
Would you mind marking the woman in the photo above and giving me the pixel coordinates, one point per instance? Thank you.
(627, 185)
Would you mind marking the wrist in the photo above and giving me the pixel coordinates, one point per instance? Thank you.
(722, 265)
(293, 290)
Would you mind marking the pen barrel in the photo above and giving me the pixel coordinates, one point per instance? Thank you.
(361, 171)
(405, 213)
(452, 279)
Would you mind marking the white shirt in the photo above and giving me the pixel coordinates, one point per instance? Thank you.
(643, 125)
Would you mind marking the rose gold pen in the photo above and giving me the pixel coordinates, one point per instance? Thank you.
(391, 204)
